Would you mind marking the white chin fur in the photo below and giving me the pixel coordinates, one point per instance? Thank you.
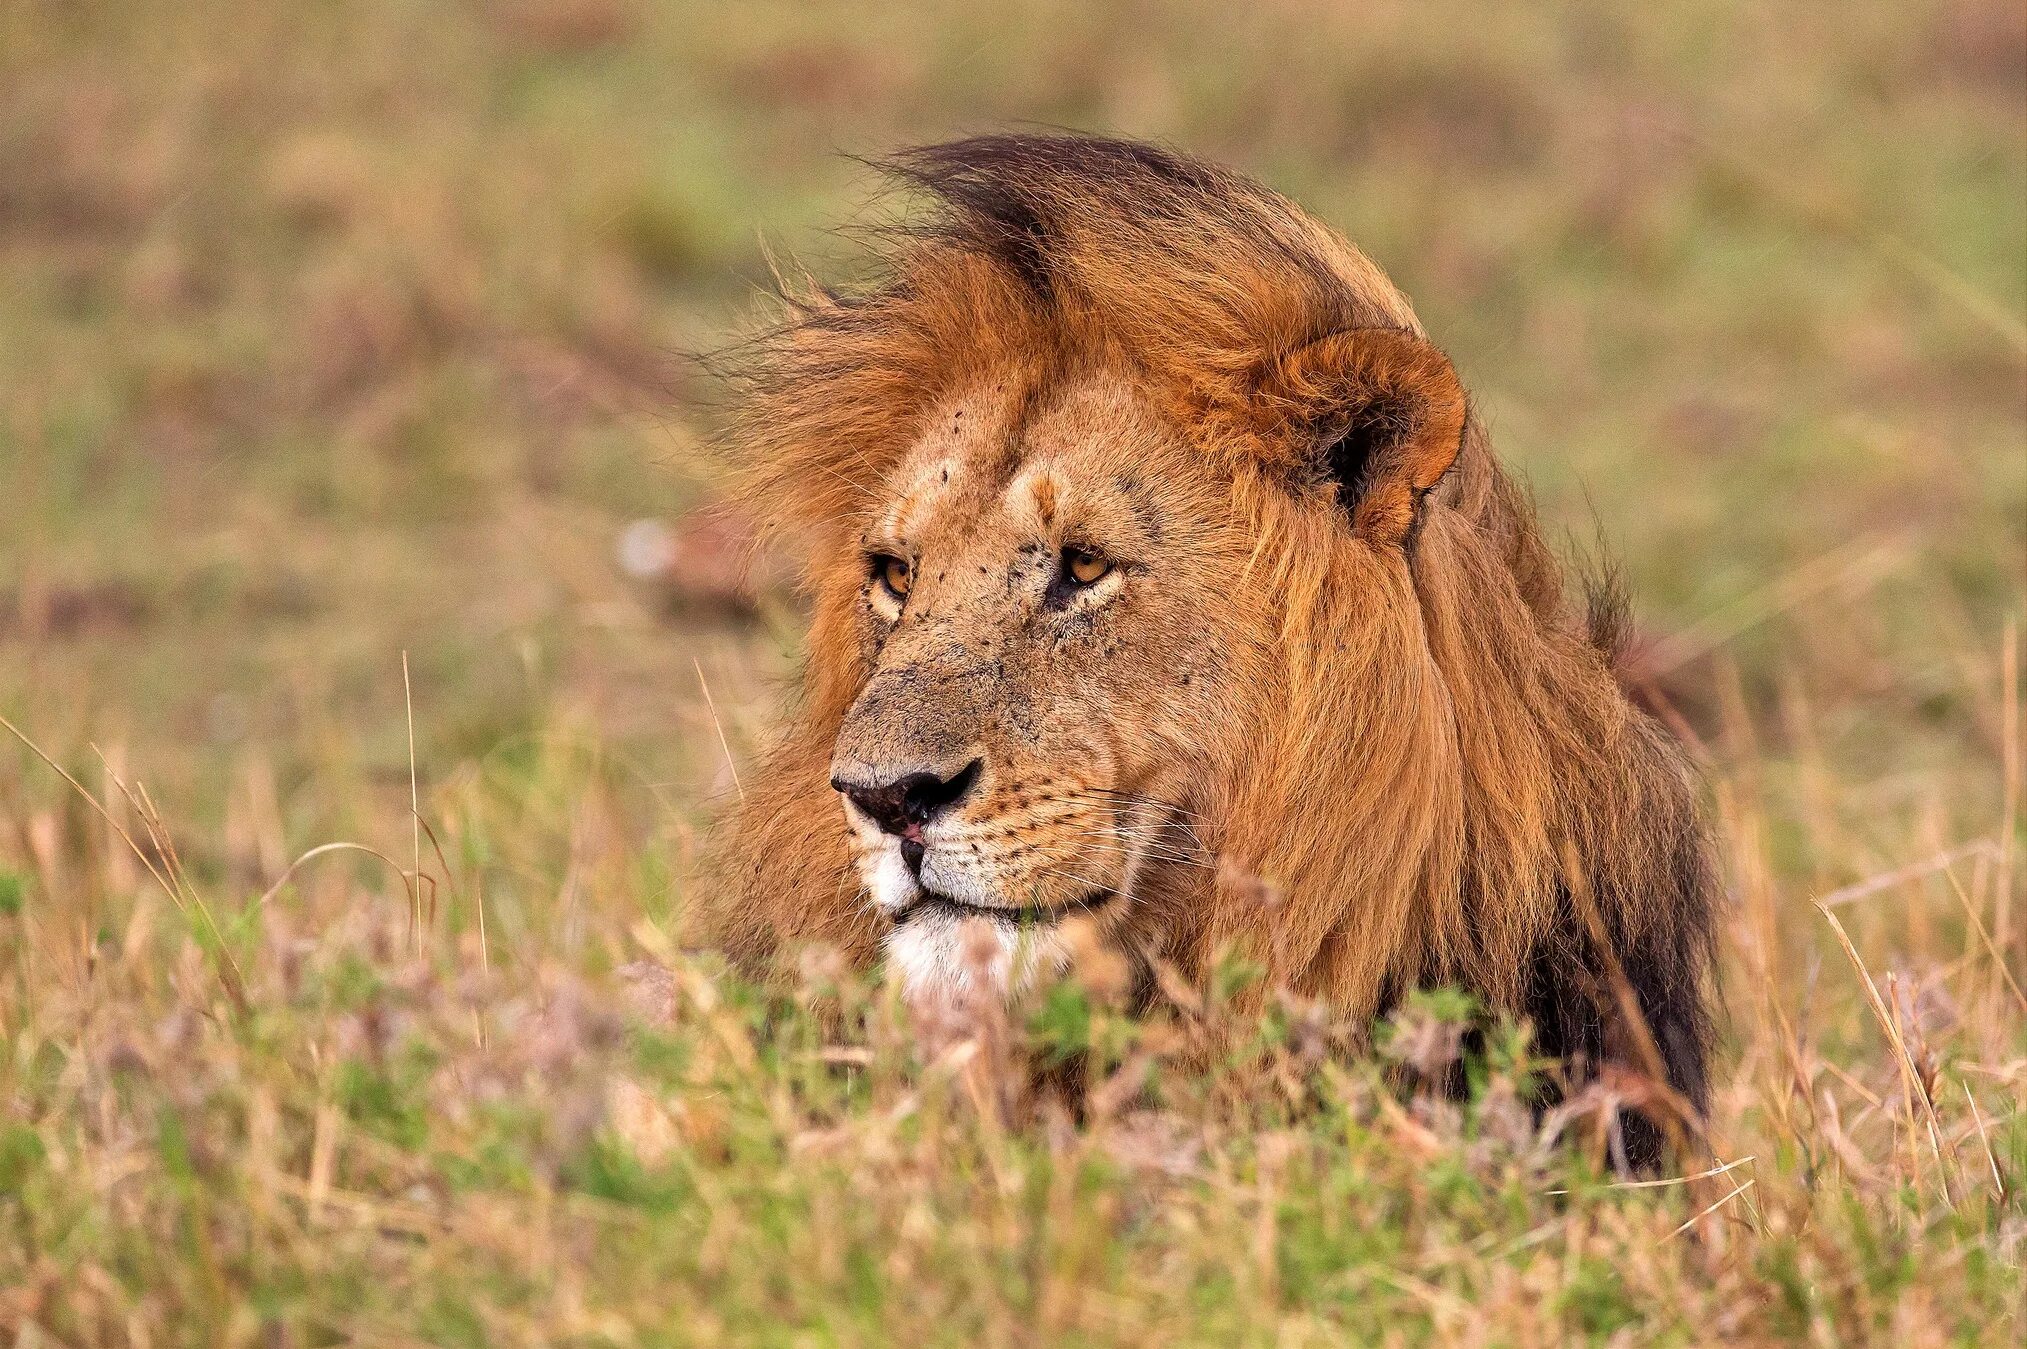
(888, 880)
(935, 956)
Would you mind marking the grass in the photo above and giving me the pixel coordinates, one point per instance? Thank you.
(336, 353)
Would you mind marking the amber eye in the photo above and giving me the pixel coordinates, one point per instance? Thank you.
(895, 575)
(1084, 566)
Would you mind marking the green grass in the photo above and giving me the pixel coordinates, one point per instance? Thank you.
(331, 333)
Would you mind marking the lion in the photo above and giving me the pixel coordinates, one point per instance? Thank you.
(1162, 580)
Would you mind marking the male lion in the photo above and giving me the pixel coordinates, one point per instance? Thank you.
(1162, 576)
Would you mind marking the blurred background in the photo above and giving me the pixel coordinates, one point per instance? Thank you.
(360, 556)
(333, 332)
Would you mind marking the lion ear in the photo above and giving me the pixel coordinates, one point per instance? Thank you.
(1380, 413)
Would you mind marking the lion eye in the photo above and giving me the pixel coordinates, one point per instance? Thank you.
(895, 575)
(1085, 567)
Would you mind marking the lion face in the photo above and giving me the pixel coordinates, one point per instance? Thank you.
(1108, 498)
(1044, 665)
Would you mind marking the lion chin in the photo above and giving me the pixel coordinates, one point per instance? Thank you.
(939, 950)
(942, 947)
(1160, 578)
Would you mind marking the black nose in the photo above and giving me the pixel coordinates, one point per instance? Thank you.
(906, 803)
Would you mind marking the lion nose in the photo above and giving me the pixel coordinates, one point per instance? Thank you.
(901, 803)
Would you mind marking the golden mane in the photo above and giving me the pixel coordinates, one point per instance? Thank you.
(1452, 788)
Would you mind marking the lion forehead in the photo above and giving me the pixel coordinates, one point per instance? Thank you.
(1058, 452)
(959, 458)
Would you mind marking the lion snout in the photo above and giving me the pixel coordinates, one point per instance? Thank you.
(901, 798)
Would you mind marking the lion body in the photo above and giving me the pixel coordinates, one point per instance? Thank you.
(1349, 727)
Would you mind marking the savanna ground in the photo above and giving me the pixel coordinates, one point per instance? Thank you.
(333, 335)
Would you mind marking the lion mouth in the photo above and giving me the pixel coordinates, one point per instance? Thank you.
(1021, 916)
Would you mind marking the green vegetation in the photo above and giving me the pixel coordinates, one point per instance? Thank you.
(339, 342)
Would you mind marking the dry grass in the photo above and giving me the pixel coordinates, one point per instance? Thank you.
(392, 1133)
(331, 334)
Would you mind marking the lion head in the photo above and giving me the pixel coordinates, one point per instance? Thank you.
(1162, 581)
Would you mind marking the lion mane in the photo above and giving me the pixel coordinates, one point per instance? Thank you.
(1441, 779)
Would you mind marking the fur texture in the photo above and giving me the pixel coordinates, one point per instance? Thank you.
(1326, 704)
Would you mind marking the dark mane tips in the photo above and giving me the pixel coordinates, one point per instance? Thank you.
(1017, 198)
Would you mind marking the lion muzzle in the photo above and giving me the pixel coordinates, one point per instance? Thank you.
(902, 799)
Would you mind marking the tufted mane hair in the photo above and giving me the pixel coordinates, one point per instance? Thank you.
(1065, 248)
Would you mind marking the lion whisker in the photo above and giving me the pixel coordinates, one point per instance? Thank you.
(1134, 798)
(1156, 825)
(1095, 885)
(1148, 851)
(1152, 831)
